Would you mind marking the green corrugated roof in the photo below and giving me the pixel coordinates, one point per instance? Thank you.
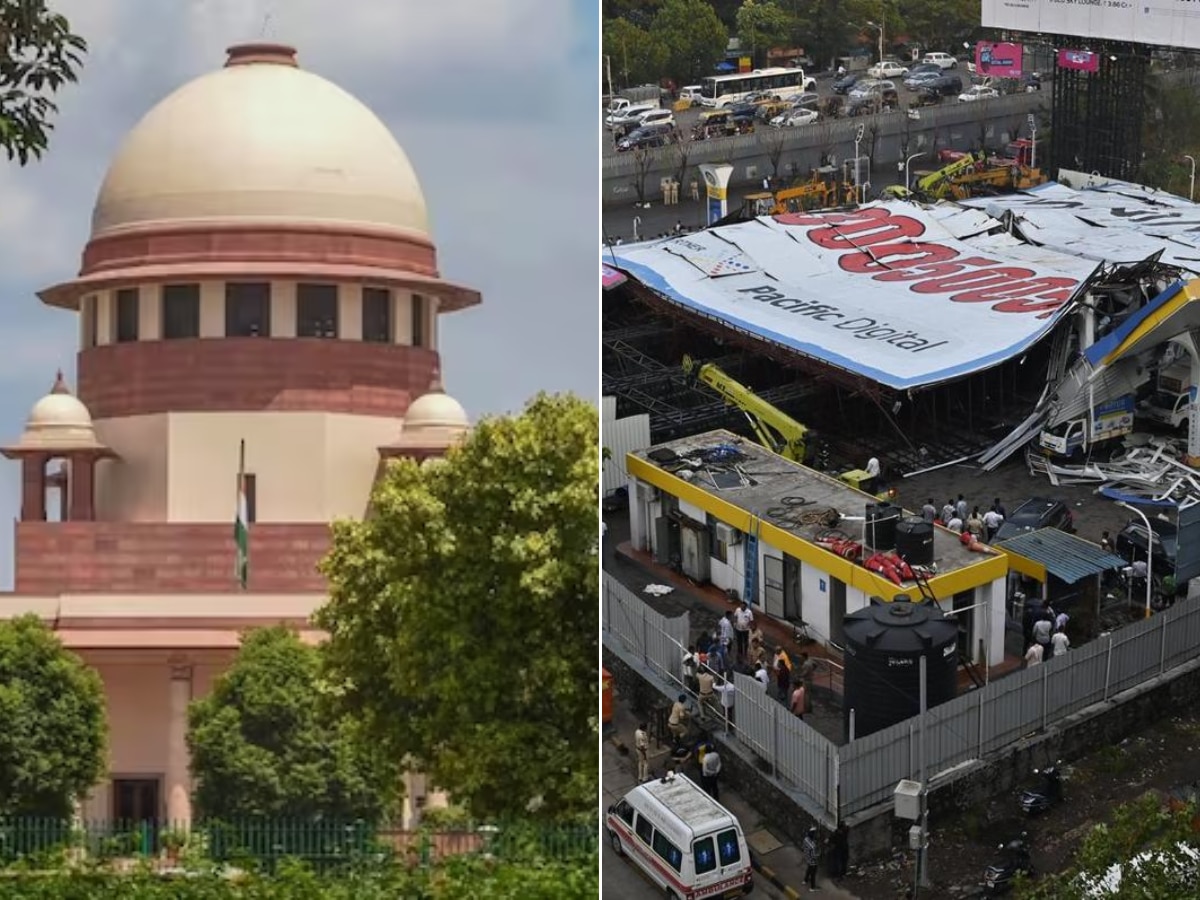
(1065, 556)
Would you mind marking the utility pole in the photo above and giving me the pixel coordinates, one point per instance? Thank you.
(1032, 141)
(923, 851)
(612, 94)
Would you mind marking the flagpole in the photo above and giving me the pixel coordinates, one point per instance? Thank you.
(241, 523)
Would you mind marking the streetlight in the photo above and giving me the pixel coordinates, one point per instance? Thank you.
(1149, 550)
(880, 27)
(906, 162)
(1192, 182)
(858, 136)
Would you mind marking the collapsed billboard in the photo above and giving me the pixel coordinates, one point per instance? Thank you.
(1166, 23)
(886, 291)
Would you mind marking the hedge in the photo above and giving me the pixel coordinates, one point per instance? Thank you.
(470, 879)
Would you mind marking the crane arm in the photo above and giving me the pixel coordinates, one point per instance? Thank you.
(964, 164)
(775, 429)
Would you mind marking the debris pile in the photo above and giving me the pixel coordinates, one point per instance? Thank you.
(1147, 470)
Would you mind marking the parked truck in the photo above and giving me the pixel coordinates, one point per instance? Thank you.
(1172, 396)
(1108, 421)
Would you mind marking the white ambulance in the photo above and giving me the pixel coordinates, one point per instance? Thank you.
(684, 840)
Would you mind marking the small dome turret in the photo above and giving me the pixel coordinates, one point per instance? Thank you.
(58, 421)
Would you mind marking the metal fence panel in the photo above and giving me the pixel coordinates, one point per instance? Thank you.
(754, 712)
(863, 773)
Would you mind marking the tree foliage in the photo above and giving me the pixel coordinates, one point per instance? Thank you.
(462, 616)
(53, 730)
(761, 25)
(38, 55)
(266, 742)
(1147, 825)
(635, 55)
(694, 38)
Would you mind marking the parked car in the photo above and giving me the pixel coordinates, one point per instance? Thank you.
(947, 85)
(917, 79)
(926, 96)
(691, 93)
(807, 100)
(941, 60)
(1131, 543)
(870, 86)
(924, 67)
(1035, 513)
(795, 117)
(889, 68)
(657, 117)
(630, 115)
(844, 84)
(883, 91)
(978, 92)
(645, 137)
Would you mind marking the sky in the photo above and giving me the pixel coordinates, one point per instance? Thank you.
(492, 102)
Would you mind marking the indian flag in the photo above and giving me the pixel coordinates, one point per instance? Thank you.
(241, 526)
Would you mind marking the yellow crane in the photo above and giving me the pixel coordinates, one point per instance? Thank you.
(775, 429)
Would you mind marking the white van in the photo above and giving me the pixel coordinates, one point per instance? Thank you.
(657, 117)
(692, 93)
(684, 840)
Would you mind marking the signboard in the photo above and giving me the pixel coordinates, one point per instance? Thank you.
(999, 60)
(885, 291)
(1167, 23)
(716, 188)
(1083, 60)
(610, 277)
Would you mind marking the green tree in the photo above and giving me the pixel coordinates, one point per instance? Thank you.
(938, 24)
(53, 730)
(266, 742)
(694, 38)
(38, 55)
(762, 25)
(635, 55)
(462, 616)
(1145, 826)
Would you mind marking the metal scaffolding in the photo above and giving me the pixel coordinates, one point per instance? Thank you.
(1097, 118)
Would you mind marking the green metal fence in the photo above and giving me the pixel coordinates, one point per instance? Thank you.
(322, 844)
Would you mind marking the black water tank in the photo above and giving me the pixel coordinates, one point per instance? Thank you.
(881, 525)
(914, 541)
(884, 643)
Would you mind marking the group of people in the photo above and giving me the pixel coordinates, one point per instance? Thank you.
(958, 516)
(1048, 636)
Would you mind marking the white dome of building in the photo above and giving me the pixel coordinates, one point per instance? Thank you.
(436, 410)
(257, 141)
(59, 420)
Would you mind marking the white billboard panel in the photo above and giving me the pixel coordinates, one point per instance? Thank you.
(885, 291)
(1166, 23)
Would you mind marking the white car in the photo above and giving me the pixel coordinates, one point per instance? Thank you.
(691, 93)
(657, 117)
(794, 117)
(630, 115)
(941, 60)
(979, 92)
(889, 68)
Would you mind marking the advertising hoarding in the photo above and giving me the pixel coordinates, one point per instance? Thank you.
(884, 291)
(1165, 23)
(1082, 60)
(999, 60)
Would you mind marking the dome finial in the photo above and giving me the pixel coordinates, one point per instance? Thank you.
(60, 384)
(261, 52)
(435, 384)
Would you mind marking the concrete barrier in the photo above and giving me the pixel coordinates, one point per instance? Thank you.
(962, 126)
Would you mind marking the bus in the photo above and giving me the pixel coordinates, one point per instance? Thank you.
(722, 90)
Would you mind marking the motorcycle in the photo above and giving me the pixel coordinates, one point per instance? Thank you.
(998, 877)
(1035, 802)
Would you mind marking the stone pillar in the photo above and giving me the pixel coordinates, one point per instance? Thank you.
(33, 487)
(177, 780)
(81, 480)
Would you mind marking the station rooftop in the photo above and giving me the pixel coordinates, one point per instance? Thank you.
(790, 496)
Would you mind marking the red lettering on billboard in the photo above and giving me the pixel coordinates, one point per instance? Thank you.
(880, 261)
(928, 268)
